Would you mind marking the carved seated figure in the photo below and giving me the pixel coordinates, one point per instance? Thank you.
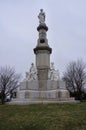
(53, 74)
(32, 74)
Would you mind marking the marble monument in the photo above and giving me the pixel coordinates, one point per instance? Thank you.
(42, 83)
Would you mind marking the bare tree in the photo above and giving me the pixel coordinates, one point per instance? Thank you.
(75, 78)
(9, 81)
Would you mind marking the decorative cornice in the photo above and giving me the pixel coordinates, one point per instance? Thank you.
(42, 48)
(42, 26)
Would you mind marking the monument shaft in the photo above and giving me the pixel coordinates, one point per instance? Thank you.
(42, 49)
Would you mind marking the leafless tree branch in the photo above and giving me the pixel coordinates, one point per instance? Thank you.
(9, 81)
(75, 77)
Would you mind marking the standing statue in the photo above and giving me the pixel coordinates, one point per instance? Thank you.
(41, 17)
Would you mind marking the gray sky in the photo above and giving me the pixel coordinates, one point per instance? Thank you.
(66, 20)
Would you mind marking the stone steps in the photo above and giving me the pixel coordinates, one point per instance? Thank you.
(41, 101)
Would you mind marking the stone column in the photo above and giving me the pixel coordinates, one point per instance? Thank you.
(42, 50)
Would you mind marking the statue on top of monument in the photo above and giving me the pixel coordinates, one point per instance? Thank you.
(41, 17)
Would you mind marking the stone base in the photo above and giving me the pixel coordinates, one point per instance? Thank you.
(30, 101)
(49, 92)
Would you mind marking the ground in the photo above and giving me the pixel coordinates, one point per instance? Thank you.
(43, 117)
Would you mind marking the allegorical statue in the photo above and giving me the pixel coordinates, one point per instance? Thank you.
(41, 17)
(32, 74)
(53, 74)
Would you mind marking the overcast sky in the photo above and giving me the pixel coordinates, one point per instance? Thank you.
(66, 20)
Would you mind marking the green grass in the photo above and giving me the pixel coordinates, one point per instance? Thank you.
(43, 117)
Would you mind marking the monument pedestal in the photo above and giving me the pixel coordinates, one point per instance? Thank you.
(31, 93)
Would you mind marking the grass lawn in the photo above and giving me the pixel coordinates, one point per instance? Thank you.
(43, 117)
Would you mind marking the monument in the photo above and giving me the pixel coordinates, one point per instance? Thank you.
(42, 83)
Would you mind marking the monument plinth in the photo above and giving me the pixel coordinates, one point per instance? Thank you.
(42, 83)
